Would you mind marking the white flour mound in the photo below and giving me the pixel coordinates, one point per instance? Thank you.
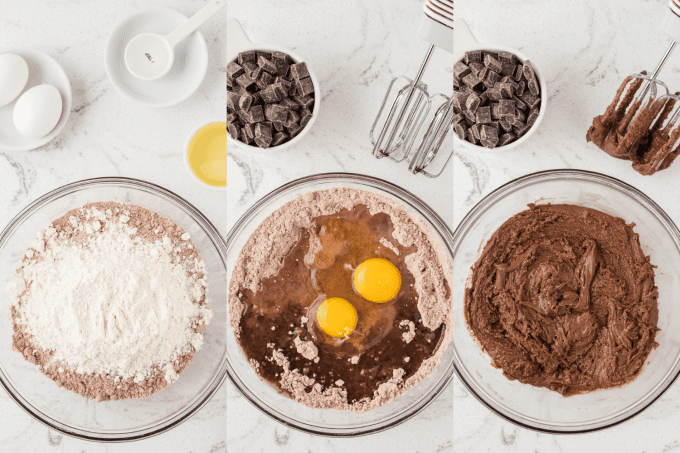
(110, 302)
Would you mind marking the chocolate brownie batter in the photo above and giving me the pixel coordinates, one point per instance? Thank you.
(563, 297)
(634, 130)
(281, 315)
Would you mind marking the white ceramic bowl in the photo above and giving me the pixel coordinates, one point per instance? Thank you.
(186, 74)
(464, 41)
(238, 42)
(41, 69)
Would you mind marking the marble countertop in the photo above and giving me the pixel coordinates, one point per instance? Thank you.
(355, 48)
(584, 50)
(106, 135)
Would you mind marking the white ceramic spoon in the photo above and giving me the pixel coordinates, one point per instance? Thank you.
(150, 56)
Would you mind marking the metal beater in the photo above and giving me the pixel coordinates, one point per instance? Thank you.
(654, 96)
(412, 102)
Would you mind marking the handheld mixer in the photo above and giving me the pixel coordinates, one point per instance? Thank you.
(412, 102)
(640, 124)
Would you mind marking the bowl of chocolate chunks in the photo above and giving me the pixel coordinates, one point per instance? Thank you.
(272, 99)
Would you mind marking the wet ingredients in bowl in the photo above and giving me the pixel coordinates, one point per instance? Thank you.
(563, 297)
(109, 301)
(338, 300)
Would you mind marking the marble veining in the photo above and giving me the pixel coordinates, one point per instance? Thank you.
(106, 135)
(355, 47)
(584, 50)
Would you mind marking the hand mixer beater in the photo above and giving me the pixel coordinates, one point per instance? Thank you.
(412, 102)
(639, 125)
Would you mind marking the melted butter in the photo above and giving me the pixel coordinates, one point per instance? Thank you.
(207, 154)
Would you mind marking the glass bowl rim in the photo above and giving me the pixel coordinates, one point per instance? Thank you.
(561, 175)
(215, 382)
(446, 235)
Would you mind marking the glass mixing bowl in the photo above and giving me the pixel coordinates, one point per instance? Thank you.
(122, 420)
(538, 408)
(330, 422)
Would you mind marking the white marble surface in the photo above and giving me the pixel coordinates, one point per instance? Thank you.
(584, 50)
(108, 136)
(355, 48)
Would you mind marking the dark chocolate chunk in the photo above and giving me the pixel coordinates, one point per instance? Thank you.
(245, 138)
(245, 81)
(231, 117)
(528, 71)
(232, 101)
(505, 125)
(458, 117)
(266, 65)
(304, 101)
(506, 56)
(495, 111)
(472, 103)
(279, 138)
(518, 73)
(460, 70)
(472, 81)
(234, 70)
(530, 99)
(290, 104)
(264, 80)
(532, 117)
(299, 71)
(270, 95)
(460, 130)
(305, 117)
(520, 88)
(459, 100)
(256, 114)
(245, 57)
(278, 126)
(471, 137)
(249, 67)
(492, 63)
(483, 115)
(305, 86)
(507, 108)
(491, 79)
(293, 116)
(475, 68)
(507, 90)
(494, 94)
(294, 129)
(250, 130)
(533, 87)
(275, 112)
(245, 102)
(475, 131)
(506, 138)
(474, 56)
(234, 130)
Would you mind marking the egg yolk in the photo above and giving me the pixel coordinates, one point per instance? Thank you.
(377, 280)
(337, 317)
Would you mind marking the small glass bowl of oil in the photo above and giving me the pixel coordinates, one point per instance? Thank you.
(205, 154)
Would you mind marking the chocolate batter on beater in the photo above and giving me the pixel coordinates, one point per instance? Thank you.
(637, 134)
(563, 297)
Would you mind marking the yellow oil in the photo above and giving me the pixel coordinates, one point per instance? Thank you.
(207, 154)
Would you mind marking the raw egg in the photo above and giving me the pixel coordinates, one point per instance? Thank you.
(37, 111)
(13, 77)
(377, 280)
(337, 317)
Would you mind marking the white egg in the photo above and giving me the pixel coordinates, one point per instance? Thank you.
(13, 77)
(37, 111)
